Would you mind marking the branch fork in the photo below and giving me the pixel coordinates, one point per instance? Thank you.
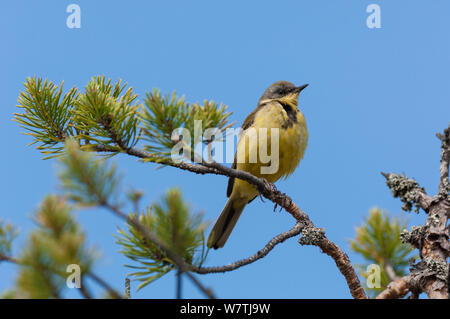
(432, 273)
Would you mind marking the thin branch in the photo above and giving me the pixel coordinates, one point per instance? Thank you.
(312, 236)
(197, 169)
(390, 272)
(127, 288)
(105, 285)
(409, 192)
(179, 284)
(260, 254)
(8, 259)
(16, 261)
(84, 291)
(179, 262)
(396, 289)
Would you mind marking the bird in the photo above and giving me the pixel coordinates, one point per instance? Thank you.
(276, 109)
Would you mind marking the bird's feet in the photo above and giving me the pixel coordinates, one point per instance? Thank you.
(271, 189)
(270, 186)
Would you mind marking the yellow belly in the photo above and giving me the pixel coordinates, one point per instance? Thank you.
(292, 142)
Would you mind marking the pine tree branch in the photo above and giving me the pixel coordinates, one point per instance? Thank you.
(84, 291)
(396, 289)
(315, 236)
(179, 262)
(55, 292)
(179, 284)
(8, 258)
(260, 254)
(133, 151)
(409, 192)
(311, 234)
(432, 240)
(390, 272)
(127, 288)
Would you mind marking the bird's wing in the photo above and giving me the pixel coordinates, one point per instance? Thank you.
(231, 179)
(247, 123)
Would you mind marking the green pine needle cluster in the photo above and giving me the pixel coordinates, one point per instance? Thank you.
(378, 241)
(7, 235)
(171, 221)
(103, 116)
(108, 118)
(57, 243)
(46, 116)
(86, 180)
(163, 116)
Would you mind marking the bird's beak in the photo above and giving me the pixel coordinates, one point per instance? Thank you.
(300, 88)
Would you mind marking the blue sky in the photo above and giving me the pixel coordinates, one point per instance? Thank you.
(375, 101)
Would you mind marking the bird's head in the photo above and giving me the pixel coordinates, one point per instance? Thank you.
(284, 91)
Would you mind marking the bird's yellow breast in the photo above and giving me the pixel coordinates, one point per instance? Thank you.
(292, 141)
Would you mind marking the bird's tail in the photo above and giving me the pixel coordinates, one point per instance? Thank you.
(225, 223)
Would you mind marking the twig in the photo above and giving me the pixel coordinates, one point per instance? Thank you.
(127, 288)
(197, 169)
(8, 258)
(260, 254)
(84, 291)
(179, 284)
(390, 272)
(54, 292)
(409, 192)
(396, 289)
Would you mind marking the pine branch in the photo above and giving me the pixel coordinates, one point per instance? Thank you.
(127, 288)
(103, 116)
(56, 243)
(311, 234)
(8, 258)
(46, 116)
(7, 235)
(84, 291)
(389, 269)
(92, 275)
(432, 239)
(174, 225)
(378, 240)
(81, 187)
(396, 289)
(297, 229)
(181, 264)
(409, 192)
(163, 117)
